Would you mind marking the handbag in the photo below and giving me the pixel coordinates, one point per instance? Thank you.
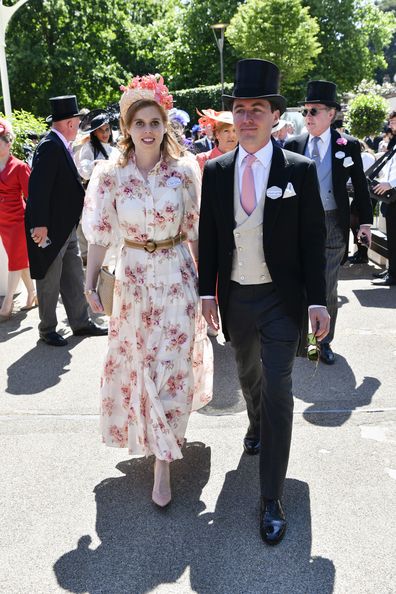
(105, 289)
(390, 196)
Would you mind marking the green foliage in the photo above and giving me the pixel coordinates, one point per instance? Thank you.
(200, 98)
(366, 114)
(278, 30)
(353, 35)
(24, 123)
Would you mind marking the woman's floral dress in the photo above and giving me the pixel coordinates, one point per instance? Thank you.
(159, 364)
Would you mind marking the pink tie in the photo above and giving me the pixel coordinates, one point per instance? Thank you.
(248, 193)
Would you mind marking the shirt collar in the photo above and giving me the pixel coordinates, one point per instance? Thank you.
(325, 136)
(63, 139)
(264, 155)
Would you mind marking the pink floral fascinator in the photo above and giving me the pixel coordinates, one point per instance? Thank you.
(5, 127)
(150, 86)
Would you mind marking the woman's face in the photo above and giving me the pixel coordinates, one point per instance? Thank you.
(147, 129)
(5, 145)
(103, 133)
(227, 139)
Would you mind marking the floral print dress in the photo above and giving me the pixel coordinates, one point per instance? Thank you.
(159, 364)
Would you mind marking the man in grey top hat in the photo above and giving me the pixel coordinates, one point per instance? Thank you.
(337, 158)
(261, 247)
(53, 210)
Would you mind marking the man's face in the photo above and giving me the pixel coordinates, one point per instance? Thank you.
(392, 125)
(253, 121)
(318, 123)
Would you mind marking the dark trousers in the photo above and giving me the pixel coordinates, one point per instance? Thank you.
(265, 342)
(391, 237)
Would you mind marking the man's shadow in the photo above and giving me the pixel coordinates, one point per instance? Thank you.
(143, 547)
(39, 369)
(333, 395)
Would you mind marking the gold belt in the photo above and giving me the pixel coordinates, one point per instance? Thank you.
(150, 245)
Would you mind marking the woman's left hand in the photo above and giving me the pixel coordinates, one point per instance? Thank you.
(94, 302)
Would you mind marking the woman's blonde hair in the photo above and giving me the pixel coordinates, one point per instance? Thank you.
(170, 148)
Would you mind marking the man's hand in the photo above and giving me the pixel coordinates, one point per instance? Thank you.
(382, 187)
(364, 235)
(320, 321)
(209, 312)
(39, 234)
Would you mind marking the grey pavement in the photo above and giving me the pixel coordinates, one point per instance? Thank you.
(77, 517)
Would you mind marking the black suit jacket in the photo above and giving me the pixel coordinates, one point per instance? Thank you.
(293, 233)
(203, 145)
(55, 201)
(341, 175)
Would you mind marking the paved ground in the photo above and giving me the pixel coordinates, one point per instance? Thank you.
(77, 517)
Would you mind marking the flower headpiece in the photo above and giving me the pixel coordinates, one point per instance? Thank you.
(5, 127)
(209, 117)
(151, 87)
(179, 115)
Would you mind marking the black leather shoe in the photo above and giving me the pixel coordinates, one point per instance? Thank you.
(272, 521)
(385, 281)
(53, 339)
(91, 329)
(251, 446)
(358, 258)
(326, 354)
(381, 274)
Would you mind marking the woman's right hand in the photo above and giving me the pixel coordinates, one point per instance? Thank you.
(94, 302)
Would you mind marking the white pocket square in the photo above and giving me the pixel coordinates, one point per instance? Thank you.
(347, 162)
(289, 191)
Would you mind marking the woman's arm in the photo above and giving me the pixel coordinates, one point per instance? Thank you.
(96, 255)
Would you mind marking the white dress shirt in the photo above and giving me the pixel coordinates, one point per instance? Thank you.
(260, 168)
(323, 144)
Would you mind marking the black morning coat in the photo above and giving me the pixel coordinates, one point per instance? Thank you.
(55, 201)
(340, 176)
(294, 233)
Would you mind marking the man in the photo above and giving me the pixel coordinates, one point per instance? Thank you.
(280, 132)
(206, 142)
(388, 175)
(337, 158)
(261, 244)
(53, 210)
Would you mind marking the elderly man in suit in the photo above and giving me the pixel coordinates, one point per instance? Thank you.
(261, 244)
(337, 158)
(53, 210)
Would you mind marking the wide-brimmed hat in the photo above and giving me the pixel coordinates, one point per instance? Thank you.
(210, 116)
(322, 91)
(281, 124)
(63, 108)
(257, 79)
(94, 120)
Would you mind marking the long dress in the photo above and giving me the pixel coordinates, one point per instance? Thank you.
(14, 180)
(159, 363)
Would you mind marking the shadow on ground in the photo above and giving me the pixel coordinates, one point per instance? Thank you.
(143, 547)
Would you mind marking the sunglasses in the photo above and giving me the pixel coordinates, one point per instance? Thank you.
(313, 111)
(5, 139)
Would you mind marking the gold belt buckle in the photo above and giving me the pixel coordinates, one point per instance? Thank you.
(150, 246)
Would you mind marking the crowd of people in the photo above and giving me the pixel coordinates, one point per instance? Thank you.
(248, 224)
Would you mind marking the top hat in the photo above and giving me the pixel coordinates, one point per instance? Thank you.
(257, 79)
(322, 91)
(63, 108)
(94, 120)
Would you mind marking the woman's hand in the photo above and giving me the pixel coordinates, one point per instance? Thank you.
(94, 302)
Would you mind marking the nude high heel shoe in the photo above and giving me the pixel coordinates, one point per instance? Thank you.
(161, 495)
(31, 304)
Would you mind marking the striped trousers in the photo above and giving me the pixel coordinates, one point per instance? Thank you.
(335, 250)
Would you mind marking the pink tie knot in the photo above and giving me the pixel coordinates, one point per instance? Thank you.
(249, 160)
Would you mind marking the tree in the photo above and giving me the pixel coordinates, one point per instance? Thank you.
(366, 114)
(278, 30)
(353, 35)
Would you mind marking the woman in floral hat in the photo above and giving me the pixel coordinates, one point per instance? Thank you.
(14, 178)
(158, 367)
(222, 124)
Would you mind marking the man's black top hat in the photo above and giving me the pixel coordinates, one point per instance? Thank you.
(257, 79)
(322, 91)
(63, 108)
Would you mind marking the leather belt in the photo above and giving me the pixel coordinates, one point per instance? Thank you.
(150, 245)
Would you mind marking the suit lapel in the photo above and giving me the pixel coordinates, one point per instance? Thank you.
(225, 188)
(279, 176)
(301, 143)
(56, 139)
(337, 167)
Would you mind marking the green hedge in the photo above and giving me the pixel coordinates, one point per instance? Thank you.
(24, 123)
(201, 98)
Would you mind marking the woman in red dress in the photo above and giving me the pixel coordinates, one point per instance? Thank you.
(14, 178)
(222, 124)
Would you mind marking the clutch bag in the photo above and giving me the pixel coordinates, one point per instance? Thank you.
(106, 289)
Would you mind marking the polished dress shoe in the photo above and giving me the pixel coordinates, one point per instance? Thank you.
(326, 354)
(358, 258)
(385, 281)
(272, 521)
(251, 446)
(380, 274)
(91, 329)
(53, 339)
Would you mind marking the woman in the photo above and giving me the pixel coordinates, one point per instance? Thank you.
(100, 143)
(222, 124)
(14, 178)
(158, 366)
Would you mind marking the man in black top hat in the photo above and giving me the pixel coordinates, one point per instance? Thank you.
(53, 210)
(261, 246)
(337, 158)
